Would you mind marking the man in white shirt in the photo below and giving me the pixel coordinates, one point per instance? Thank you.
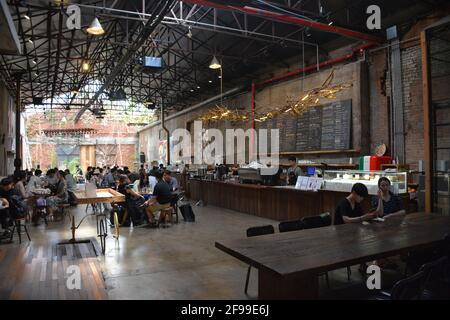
(35, 182)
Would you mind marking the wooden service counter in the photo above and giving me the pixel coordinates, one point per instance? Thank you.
(277, 203)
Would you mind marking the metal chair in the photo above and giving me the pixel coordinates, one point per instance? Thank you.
(435, 286)
(18, 226)
(410, 288)
(293, 225)
(253, 232)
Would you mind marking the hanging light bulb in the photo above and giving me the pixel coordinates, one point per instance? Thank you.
(95, 28)
(85, 66)
(215, 64)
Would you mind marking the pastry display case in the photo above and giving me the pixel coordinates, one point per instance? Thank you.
(344, 180)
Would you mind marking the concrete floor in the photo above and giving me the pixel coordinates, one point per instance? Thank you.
(181, 262)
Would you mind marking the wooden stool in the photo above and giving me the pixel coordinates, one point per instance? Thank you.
(41, 213)
(167, 215)
(175, 212)
(61, 207)
(18, 227)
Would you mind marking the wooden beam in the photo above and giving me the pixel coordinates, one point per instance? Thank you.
(426, 90)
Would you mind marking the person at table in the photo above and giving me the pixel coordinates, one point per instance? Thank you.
(131, 204)
(293, 172)
(6, 191)
(78, 171)
(391, 204)
(35, 182)
(171, 181)
(19, 186)
(110, 178)
(71, 185)
(349, 209)
(160, 199)
(61, 196)
(51, 179)
(143, 184)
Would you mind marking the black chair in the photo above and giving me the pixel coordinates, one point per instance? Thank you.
(18, 226)
(417, 258)
(410, 288)
(313, 222)
(293, 225)
(253, 232)
(435, 286)
(326, 218)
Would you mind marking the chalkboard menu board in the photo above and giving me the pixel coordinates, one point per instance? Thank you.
(321, 128)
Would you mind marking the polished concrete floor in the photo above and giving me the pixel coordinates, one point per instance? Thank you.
(179, 262)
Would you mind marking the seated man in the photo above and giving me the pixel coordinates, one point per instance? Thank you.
(349, 209)
(172, 181)
(35, 182)
(160, 199)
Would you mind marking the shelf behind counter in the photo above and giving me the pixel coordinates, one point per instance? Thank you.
(277, 203)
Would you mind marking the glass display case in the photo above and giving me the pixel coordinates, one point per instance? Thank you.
(344, 180)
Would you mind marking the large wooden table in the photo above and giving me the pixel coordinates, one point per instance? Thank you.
(289, 263)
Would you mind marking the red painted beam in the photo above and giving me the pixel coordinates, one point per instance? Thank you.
(292, 20)
(323, 64)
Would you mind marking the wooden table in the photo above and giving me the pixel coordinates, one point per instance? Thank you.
(289, 263)
(102, 196)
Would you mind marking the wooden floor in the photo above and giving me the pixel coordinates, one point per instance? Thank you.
(31, 271)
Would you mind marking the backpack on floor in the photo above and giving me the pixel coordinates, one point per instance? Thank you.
(187, 213)
(121, 215)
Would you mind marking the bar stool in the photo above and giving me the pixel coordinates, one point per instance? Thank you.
(61, 208)
(175, 212)
(166, 214)
(18, 227)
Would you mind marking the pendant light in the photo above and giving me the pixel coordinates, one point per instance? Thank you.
(95, 28)
(215, 64)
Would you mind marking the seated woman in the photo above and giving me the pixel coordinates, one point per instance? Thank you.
(61, 196)
(392, 205)
(19, 185)
(143, 184)
(132, 203)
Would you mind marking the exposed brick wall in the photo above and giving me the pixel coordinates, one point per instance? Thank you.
(126, 155)
(379, 109)
(413, 105)
(42, 154)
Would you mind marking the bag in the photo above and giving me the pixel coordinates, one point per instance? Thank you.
(120, 210)
(187, 213)
(19, 208)
(41, 202)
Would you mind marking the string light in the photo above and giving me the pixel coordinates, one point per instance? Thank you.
(293, 106)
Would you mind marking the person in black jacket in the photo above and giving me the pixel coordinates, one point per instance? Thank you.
(349, 209)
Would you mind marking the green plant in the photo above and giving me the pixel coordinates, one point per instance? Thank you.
(72, 165)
